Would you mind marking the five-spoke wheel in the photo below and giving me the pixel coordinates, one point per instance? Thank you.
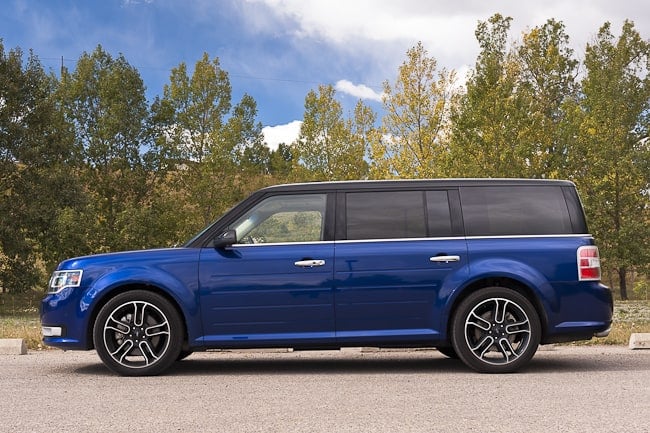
(496, 330)
(138, 333)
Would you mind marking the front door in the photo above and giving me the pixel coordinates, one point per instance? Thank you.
(274, 286)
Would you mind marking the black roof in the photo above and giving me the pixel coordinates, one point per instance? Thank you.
(408, 183)
(355, 185)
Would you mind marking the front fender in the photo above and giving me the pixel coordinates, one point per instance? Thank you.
(180, 288)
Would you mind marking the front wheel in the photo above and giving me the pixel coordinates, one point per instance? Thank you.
(138, 333)
(496, 330)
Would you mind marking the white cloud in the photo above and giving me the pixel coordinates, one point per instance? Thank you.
(360, 91)
(288, 133)
(384, 29)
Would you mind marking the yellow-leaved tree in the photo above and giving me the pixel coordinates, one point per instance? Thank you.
(416, 126)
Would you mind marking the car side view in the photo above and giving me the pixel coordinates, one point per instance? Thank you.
(484, 270)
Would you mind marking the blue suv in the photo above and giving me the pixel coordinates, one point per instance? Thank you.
(484, 270)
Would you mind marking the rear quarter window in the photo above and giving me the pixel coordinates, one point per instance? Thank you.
(515, 210)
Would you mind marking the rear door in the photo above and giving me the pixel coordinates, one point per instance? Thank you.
(396, 252)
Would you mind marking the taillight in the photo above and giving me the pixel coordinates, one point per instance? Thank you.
(588, 263)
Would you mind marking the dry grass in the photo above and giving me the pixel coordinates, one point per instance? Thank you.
(19, 319)
(26, 327)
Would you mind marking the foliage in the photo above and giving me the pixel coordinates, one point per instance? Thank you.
(488, 120)
(416, 125)
(103, 100)
(88, 165)
(611, 154)
(641, 289)
(546, 84)
(35, 159)
(211, 143)
(327, 148)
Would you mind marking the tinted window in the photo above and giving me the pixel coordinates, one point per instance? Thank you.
(439, 215)
(519, 210)
(385, 215)
(283, 218)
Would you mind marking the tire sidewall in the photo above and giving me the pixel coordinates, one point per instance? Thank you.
(175, 329)
(461, 313)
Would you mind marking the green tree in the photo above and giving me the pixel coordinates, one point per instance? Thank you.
(545, 86)
(104, 100)
(212, 142)
(363, 134)
(243, 133)
(281, 161)
(325, 149)
(610, 157)
(488, 120)
(37, 169)
(416, 124)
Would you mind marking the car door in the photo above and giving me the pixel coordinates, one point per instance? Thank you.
(398, 250)
(275, 284)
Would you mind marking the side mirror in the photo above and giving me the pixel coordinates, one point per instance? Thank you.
(225, 239)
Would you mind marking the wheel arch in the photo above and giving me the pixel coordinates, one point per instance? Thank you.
(127, 287)
(497, 281)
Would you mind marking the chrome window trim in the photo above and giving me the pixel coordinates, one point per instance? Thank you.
(468, 238)
(565, 235)
(449, 238)
(271, 244)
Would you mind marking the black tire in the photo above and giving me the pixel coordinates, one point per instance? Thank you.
(138, 333)
(495, 330)
(184, 354)
(448, 351)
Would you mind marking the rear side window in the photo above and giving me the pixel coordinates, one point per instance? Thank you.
(439, 216)
(397, 215)
(515, 210)
(385, 215)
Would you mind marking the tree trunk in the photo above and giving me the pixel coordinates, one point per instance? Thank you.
(622, 272)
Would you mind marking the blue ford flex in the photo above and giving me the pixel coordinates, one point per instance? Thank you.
(483, 270)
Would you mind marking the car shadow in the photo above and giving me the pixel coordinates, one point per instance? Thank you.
(300, 366)
(288, 364)
(206, 365)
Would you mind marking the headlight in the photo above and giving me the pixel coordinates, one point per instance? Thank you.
(62, 279)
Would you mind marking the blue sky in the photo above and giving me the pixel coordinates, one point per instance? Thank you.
(278, 50)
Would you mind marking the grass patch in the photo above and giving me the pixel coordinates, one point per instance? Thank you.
(20, 304)
(19, 318)
(26, 327)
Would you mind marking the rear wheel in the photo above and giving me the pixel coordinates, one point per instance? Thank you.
(184, 354)
(496, 330)
(138, 333)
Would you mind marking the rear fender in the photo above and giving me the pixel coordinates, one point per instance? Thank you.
(545, 296)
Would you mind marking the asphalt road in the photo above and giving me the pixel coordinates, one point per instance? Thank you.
(565, 389)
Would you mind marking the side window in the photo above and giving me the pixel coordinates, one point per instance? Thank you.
(439, 216)
(525, 210)
(385, 215)
(282, 219)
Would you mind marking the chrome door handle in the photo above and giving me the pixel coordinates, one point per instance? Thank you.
(444, 259)
(309, 263)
